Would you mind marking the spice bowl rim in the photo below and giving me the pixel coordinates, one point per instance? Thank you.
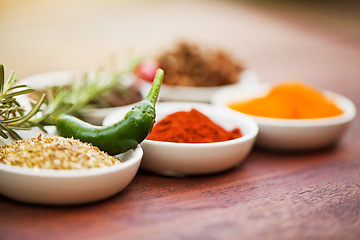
(61, 77)
(64, 173)
(291, 134)
(343, 102)
(69, 186)
(183, 159)
(116, 115)
(200, 94)
(210, 144)
(51, 131)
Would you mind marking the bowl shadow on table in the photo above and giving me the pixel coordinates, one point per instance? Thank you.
(52, 210)
(298, 152)
(213, 174)
(280, 159)
(16, 203)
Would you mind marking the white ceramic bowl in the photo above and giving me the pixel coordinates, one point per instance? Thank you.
(181, 159)
(60, 78)
(196, 94)
(60, 187)
(291, 134)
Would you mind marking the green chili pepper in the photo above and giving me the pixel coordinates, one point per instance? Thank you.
(121, 136)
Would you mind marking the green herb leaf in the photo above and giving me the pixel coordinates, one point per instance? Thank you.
(12, 113)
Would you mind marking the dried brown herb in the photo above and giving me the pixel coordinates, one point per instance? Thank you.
(54, 153)
(189, 65)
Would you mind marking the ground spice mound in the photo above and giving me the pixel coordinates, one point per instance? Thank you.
(189, 65)
(190, 127)
(54, 153)
(290, 100)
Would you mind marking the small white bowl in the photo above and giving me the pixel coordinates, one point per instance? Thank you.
(291, 134)
(181, 159)
(196, 94)
(62, 187)
(60, 78)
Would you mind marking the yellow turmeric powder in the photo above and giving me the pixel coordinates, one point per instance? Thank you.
(290, 100)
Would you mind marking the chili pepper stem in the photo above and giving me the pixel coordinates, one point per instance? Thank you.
(155, 87)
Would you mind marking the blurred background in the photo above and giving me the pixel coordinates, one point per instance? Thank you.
(277, 39)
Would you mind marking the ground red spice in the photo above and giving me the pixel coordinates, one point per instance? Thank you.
(190, 127)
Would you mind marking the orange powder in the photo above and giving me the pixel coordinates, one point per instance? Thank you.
(190, 127)
(292, 100)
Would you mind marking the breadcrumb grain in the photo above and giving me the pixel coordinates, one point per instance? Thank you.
(54, 152)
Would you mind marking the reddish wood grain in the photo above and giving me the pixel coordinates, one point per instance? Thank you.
(272, 195)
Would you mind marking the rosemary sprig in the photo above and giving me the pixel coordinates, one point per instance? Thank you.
(71, 100)
(12, 114)
(78, 95)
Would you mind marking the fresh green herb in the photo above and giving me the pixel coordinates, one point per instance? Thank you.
(78, 95)
(57, 100)
(12, 114)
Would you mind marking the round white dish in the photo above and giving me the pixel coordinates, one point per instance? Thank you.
(181, 159)
(62, 187)
(60, 78)
(196, 94)
(291, 134)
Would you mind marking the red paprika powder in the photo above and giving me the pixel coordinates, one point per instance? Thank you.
(190, 127)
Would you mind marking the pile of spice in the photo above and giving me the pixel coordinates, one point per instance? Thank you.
(54, 153)
(290, 100)
(190, 127)
(189, 65)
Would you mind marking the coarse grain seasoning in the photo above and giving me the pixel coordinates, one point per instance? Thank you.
(54, 153)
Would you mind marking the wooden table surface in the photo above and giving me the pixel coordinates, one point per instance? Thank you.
(272, 195)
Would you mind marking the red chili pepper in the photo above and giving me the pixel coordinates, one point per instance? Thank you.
(147, 69)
